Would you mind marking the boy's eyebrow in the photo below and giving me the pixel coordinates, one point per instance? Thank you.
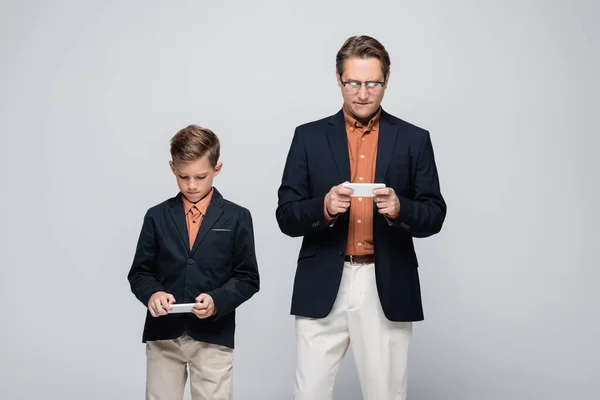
(198, 174)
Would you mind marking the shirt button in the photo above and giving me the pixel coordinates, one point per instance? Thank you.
(190, 261)
(362, 156)
(363, 139)
(361, 178)
(359, 244)
(360, 199)
(358, 222)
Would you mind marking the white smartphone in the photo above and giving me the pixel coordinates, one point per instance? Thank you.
(363, 189)
(181, 308)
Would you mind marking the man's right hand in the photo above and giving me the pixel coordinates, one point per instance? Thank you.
(160, 303)
(338, 200)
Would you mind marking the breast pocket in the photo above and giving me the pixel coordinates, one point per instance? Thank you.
(220, 241)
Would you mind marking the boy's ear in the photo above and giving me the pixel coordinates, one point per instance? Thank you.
(218, 168)
(172, 166)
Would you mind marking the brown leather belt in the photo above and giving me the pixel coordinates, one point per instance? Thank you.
(367, 259)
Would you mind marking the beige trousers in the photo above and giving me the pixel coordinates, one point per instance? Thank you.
(210, 369)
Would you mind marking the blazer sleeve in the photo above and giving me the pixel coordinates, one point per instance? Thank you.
(424, 213)
(245, 281)
(297, 214)
(142, 275)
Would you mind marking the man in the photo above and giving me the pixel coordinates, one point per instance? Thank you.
(356, 279)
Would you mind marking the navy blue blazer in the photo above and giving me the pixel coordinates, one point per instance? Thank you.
(222, 263)
(318, 160)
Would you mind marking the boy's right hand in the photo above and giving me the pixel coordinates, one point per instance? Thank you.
(160, 303)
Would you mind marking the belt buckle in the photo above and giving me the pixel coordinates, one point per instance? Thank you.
(351, 259)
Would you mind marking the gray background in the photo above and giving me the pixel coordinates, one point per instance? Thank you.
(92, 92)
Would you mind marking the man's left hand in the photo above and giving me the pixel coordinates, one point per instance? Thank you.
(387, 202)
(204, 307)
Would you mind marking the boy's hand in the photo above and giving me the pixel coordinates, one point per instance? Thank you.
(205, 306)
(160, 303)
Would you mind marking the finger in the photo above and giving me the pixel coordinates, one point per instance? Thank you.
(386, 211)
(162, 306)
(151, 309)
(384, 199)
(384, 191)
(344, 203)
(345, 192)
(341, 207)
(381, 202)
(156, 306)
(339, 189)
(169, 300)
(201, 298)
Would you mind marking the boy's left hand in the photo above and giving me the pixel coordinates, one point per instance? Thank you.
(205, 306)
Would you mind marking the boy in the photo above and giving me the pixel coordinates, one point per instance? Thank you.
(197, 248)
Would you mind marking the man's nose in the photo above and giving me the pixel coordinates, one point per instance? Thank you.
(363, 94)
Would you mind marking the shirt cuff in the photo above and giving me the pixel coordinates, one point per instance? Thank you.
(328, 217)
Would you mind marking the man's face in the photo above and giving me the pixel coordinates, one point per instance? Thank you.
(365, 101)
(195, 178)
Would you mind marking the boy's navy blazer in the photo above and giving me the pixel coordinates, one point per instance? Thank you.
(221, 263)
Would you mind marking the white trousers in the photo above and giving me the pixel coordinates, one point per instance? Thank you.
(380, 347)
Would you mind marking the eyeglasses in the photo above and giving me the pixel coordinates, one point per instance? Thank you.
(353, 87)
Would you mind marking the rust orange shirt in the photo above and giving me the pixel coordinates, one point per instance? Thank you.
(362, 149)
(194, 213)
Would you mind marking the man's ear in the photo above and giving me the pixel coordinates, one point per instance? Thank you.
(338, 78)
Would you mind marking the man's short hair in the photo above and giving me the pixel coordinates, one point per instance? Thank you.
(363, 47)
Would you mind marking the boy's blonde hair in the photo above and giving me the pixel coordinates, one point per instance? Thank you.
(194, 142)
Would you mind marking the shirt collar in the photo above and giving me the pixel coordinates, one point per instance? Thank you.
(202, 205)
(353, 123)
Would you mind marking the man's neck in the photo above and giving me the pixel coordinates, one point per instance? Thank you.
(363, 121)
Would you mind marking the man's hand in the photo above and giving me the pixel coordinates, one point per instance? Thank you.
(338, 200)
(387, 202)
(205, 306)
(160, 303)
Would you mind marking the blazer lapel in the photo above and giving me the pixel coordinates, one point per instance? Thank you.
(385, 146)
(338, 142)
(178, 216)
(213, 213)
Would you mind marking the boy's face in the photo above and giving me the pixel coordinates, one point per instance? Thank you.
(195, 178)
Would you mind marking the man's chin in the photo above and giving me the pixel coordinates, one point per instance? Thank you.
(364, 112)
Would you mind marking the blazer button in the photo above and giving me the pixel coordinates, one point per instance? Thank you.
(342, 253)
(190, 261)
